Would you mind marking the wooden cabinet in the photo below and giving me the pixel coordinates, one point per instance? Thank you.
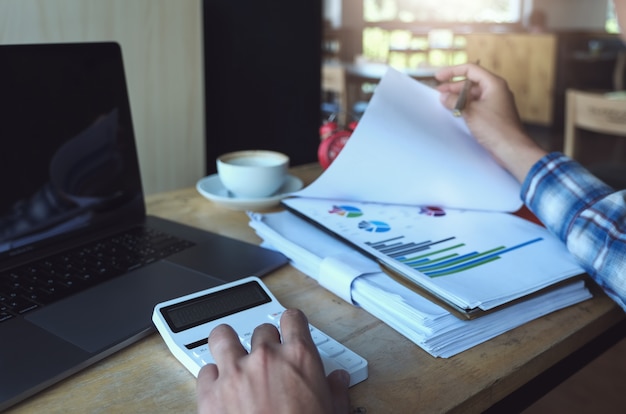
(541, 67)
(528, 63)
(586, 60)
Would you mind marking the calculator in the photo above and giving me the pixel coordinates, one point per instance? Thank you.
(185, 323)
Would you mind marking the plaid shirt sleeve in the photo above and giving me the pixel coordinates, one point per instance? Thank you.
(588, 215)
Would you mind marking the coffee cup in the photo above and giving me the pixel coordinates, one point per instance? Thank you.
(253, 173)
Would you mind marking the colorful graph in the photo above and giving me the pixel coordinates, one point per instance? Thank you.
(432, 211)
(433, 258)
(346, 211)
(440, 257)
(374, 226)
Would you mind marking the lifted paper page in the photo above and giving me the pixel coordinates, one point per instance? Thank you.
(409, 149)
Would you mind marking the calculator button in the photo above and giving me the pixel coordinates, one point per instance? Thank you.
(275, 316)
(245, 339)
(318, 337)
(331, 348)
(348, 360)
(201, 350)
(330, 365)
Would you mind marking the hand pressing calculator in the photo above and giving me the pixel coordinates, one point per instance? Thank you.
(185, 323)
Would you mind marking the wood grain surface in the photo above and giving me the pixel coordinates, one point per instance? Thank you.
(402, 377)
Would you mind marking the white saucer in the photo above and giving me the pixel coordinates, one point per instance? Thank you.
(211, 188)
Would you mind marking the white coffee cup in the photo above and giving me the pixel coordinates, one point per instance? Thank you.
(253, 173)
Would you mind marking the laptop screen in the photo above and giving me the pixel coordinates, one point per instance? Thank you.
(68, 159)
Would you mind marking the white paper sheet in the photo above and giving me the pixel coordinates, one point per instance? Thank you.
(429, 326)
(409, 149)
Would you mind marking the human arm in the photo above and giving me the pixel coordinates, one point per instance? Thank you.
(585, 213)
(275, 377)
(588, 215)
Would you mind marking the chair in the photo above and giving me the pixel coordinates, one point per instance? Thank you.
(603, 113)
(618, 71)
(334, 87)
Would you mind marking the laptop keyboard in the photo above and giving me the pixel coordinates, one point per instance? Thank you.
(38, 284)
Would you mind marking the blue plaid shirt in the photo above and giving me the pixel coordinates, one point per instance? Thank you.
(588, 215)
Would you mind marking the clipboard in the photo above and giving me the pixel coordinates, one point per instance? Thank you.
(405, 280)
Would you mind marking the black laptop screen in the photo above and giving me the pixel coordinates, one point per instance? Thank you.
(68, 159)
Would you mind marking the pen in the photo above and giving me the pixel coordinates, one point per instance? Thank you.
(462, 101)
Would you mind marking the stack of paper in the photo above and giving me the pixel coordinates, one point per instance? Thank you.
(358, 279)
(414, 192)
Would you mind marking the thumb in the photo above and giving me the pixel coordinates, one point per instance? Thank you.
(339, 381)
(448, 99)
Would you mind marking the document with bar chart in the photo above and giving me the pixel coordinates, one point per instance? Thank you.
(471, 259)
(407, 155)
(359, 280)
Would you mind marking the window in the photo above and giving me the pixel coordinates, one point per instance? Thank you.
(413, 33)
(443, 11)
(611, 25)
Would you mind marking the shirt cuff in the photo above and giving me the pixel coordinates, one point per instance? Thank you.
(557, 189)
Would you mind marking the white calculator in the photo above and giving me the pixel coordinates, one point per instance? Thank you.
(185, 323)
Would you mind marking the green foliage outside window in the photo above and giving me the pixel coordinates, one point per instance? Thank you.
(611, 25)
(405, 48)
(467, 11)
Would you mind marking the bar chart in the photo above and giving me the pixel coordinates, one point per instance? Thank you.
(440, 257)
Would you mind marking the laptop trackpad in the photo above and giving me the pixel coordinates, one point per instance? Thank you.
(119, 309)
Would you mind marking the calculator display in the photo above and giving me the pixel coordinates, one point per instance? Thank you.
(198, 311)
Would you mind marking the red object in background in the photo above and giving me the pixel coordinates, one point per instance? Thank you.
(333, 140)
(327, 129)
(331, 146)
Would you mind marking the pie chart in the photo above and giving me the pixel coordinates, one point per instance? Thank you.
(347, 211)
(374, 226)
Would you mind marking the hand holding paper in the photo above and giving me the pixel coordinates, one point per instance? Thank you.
(410, 153)
(409, 149)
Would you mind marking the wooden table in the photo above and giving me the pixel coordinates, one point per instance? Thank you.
(403, 378)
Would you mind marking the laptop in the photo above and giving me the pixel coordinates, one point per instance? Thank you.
(81, 264)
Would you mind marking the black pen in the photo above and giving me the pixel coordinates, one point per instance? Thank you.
(462, 101)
